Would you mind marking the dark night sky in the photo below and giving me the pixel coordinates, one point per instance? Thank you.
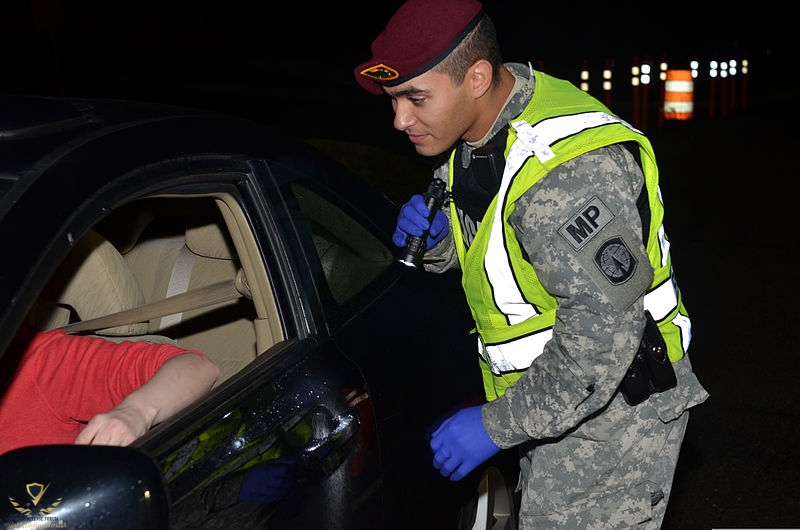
(340, 32)
(183, 50)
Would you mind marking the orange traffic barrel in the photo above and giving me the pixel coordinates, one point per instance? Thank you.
(679, 95)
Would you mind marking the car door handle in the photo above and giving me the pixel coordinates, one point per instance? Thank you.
(328, 452)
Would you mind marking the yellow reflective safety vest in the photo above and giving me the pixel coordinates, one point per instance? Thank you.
(513, 312)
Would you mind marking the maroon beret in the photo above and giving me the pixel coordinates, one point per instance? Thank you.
(418, 36)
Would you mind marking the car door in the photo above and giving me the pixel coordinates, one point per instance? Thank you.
(288, 440)
(275, 447)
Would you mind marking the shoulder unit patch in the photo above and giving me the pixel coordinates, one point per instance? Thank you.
(615, 260)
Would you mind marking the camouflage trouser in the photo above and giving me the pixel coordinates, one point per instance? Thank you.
(615, 471)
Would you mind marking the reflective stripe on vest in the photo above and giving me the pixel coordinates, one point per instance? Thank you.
(663, 300)
(521, 352)
(549, 131)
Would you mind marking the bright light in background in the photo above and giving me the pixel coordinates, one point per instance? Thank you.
(606, 79)
(675, 87)
(645, 74)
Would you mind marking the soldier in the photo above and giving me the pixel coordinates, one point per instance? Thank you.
(557, 227)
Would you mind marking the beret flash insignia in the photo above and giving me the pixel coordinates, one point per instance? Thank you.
(380, 72)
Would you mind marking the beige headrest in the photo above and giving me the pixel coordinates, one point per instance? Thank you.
(93, 281)
(207, 237)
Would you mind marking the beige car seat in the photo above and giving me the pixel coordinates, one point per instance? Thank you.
(94, 280)
(167, 266)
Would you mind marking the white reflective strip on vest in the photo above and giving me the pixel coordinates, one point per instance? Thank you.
(661, 300)
(664, 299)
(549, 131)
(686, 330)
(515, 355)
(507, 296)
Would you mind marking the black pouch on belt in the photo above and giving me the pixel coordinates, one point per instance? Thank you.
(651, 370)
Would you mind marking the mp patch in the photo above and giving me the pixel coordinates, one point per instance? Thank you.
(586, 223)
(615, 260)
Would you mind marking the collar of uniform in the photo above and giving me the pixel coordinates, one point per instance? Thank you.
(517, 99)
(515, 103)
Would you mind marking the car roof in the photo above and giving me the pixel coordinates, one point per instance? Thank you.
(38, 131)
(39, 123)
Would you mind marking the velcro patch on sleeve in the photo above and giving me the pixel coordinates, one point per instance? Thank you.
(609, 251)
(586, 223)
(615, 260)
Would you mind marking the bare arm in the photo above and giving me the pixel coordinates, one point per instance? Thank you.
(179, 382)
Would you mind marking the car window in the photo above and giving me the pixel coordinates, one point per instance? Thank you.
(170, 246)
(351, 257)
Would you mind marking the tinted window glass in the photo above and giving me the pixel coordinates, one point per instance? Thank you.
(351, 256)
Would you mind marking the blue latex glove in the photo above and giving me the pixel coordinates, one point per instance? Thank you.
(461, 444)
(268, 482)
(413, 220)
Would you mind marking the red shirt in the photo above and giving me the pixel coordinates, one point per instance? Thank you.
(62, 381)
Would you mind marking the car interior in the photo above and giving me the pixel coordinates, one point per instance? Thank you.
(196, 255)
(156, 248)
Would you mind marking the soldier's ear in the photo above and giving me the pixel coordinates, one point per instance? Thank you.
(479, 76)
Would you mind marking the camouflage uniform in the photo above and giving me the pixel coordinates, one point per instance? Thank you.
(588, 459)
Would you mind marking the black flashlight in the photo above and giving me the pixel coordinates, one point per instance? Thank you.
(415, 248)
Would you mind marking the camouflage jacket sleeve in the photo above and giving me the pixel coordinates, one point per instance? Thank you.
(599, 319)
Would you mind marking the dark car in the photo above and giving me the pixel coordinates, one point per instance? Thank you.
(336, 360)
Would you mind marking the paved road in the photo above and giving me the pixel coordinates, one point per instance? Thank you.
(731, 214)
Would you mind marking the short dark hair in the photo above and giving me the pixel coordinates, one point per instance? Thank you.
(480, 43)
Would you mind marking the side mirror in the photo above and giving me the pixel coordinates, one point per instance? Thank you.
(81, 487)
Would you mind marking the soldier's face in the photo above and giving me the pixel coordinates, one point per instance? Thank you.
(433, 111)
